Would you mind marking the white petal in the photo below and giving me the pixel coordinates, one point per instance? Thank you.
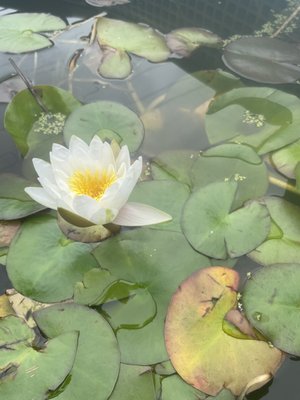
(96, 148)
(123, 157)
(60, 151)
(41, 196)
(91, 210)
(43, 168)
(138, 214)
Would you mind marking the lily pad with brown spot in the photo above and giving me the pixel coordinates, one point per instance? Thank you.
(201, 352)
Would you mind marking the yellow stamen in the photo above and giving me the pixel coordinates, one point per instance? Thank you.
(91, 183)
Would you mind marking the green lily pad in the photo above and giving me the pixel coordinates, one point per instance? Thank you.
(271, 303)
(105, 117)
(174, 388)
(176, 164)
(135, 382)
(164, 368)
(138, 39)
(18, 31)
(263, 59)
(115, 64)
(98, 353)
(201, 352)
(161, 194)
(283, 242)
(43, 264)
(219, 80)
(286, 159)
(134, 311)
(28, 370)
(235, 162)
(14, 202)
(263, 118)
(147, 257)
(184, 41)
(211, 227)
(23, 112)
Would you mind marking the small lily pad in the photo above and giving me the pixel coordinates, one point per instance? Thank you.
(138, 39)
(115, 64)
(211, 227)
(23, 112)
(283, 242)
(264, 118)
(18, 31)
(43, 264)
(105, 117)
(286, 159)
(97, 347)
(28, 370)
(271, 303)
(201, 352)
(14, 202)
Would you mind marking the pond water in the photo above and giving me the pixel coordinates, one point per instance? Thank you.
(170, 96)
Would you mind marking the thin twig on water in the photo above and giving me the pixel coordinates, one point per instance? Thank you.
(286, 22)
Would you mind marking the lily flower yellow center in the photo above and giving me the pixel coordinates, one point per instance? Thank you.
(91, 183)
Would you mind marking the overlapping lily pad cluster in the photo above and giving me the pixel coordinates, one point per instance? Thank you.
(92, 322)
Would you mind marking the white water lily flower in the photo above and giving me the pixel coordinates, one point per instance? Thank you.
(90, 181)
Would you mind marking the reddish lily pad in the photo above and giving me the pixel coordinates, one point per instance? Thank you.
(201, 352)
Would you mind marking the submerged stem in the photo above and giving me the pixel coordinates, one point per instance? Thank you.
(31, 89)
(283, 185)
(286, 22)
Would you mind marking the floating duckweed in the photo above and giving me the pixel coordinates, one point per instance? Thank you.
(237, 177)
(239, 296)
(249, 275)
(50, 124)
(252, 118)
(257, 316)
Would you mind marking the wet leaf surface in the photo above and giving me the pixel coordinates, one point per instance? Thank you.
(283, 242)
(199, 349)
(28, 370)
(107, 119)
(263, 59)
(98, 352)
(18, 31)
(212, 228)
(43, 264)
(287, 158)
(264, 118)
(271, 303)
(154, 260)
(14, 202)
(115, 64)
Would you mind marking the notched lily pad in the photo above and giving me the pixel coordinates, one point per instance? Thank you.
(30, 370)
(212, 228)
(271, 303)
(97, 347)
(106, 118)
(263, 59)
(115, 64)
(201, 352)
(18, 31)
(283, 242)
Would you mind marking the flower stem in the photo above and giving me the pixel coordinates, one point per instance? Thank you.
(283, 185)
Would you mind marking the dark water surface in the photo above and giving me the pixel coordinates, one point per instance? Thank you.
(224, 17)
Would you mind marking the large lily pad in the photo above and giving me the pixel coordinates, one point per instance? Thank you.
(283, 242)
(23, 111)
(213, 229)
(235, 162)
(271, 303)
(138, 39)
(157, 260)
(108, 120)
(263, 59)
(14, 202)
(98, 357)
(201, 352)
(30, 371)
(18, 31)
(265, 118)
(43, 264)
(161, 194)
